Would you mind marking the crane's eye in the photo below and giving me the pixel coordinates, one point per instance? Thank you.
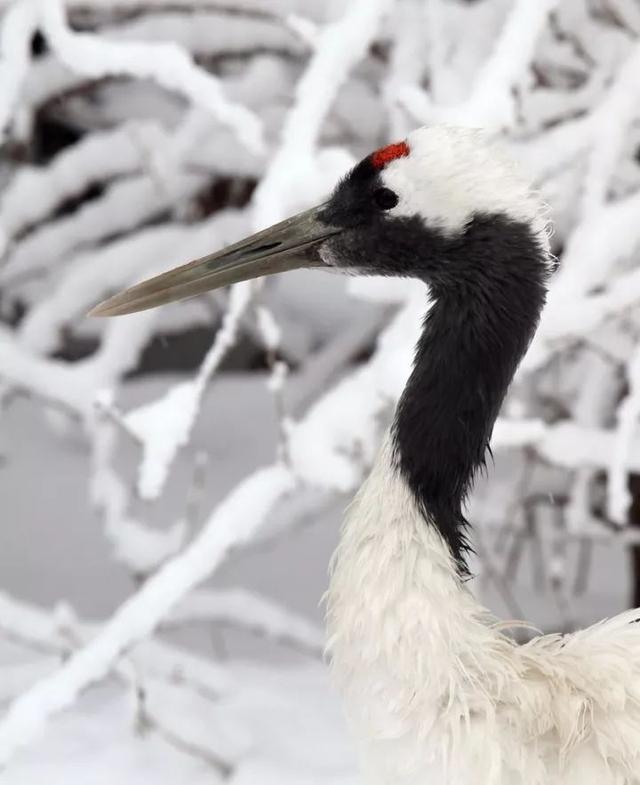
(385, 198)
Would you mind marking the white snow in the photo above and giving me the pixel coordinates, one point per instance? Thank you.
(232, 523)
(164, 426)
(239, 606)
(621, 455)
(19, 25)
(166, 63)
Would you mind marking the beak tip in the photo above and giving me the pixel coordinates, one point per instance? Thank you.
(105, 308)
(98, 310)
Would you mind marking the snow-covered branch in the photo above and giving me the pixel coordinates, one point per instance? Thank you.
(233, 522)
(164, 426)
(238, 607)
(165, 63)
(338, 48)
(18, 27)
(621, 461)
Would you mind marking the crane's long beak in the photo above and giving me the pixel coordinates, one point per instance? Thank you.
(285, 246)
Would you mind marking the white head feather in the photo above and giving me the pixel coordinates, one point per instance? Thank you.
(452, 174)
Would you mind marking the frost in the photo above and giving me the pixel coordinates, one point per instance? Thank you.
(19, 25)
(232, 523)
(35, 192)
(268, 328)
(164, 426)
(240, 607)
(628, 416)
(164, 62)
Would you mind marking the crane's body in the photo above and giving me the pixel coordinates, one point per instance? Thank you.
(435, 690)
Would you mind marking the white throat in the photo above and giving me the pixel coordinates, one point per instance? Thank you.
(407, 641)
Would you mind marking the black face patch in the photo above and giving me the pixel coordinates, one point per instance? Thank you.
(352, 203)
(374, 241)
(377, 242)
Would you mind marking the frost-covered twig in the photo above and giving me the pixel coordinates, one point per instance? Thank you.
(165, 63)
(180, 405)
(40, 629)
(619, 497)
(271, 337)
(47, 379)
(612, 120)
(339, 46)
(138, 546)
(63, 633)
(35, 192)
(245, 609)
(233, 522)
(18, 28)
(491, 101)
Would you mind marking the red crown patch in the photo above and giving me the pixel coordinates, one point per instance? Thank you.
(389, 153)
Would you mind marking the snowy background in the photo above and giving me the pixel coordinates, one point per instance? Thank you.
(171, 483)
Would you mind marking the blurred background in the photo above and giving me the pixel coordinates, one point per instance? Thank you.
(173, 481)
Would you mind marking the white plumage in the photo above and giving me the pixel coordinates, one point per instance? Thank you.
(435, 690)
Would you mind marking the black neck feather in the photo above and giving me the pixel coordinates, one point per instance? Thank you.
(475, 334)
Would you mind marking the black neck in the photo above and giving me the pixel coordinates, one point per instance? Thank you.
(474, 337)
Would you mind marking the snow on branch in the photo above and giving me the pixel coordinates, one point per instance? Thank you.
(593, 250)
(233, 522)
(611, 123)
(491, 102)
(165, 63)
(35, 192)
(47, 379)
(566, 444)
(141, 548)
(18, 27)
(204, 32)
(239, 607)
(257, 7)
(126, 205)
(338, 48)
(620, 465)
(164, 426)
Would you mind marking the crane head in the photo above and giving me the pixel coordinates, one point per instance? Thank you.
(409, 209)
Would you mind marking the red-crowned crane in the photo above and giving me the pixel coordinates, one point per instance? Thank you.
(436, 692)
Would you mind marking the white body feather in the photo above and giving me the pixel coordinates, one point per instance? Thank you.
(437, 693)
